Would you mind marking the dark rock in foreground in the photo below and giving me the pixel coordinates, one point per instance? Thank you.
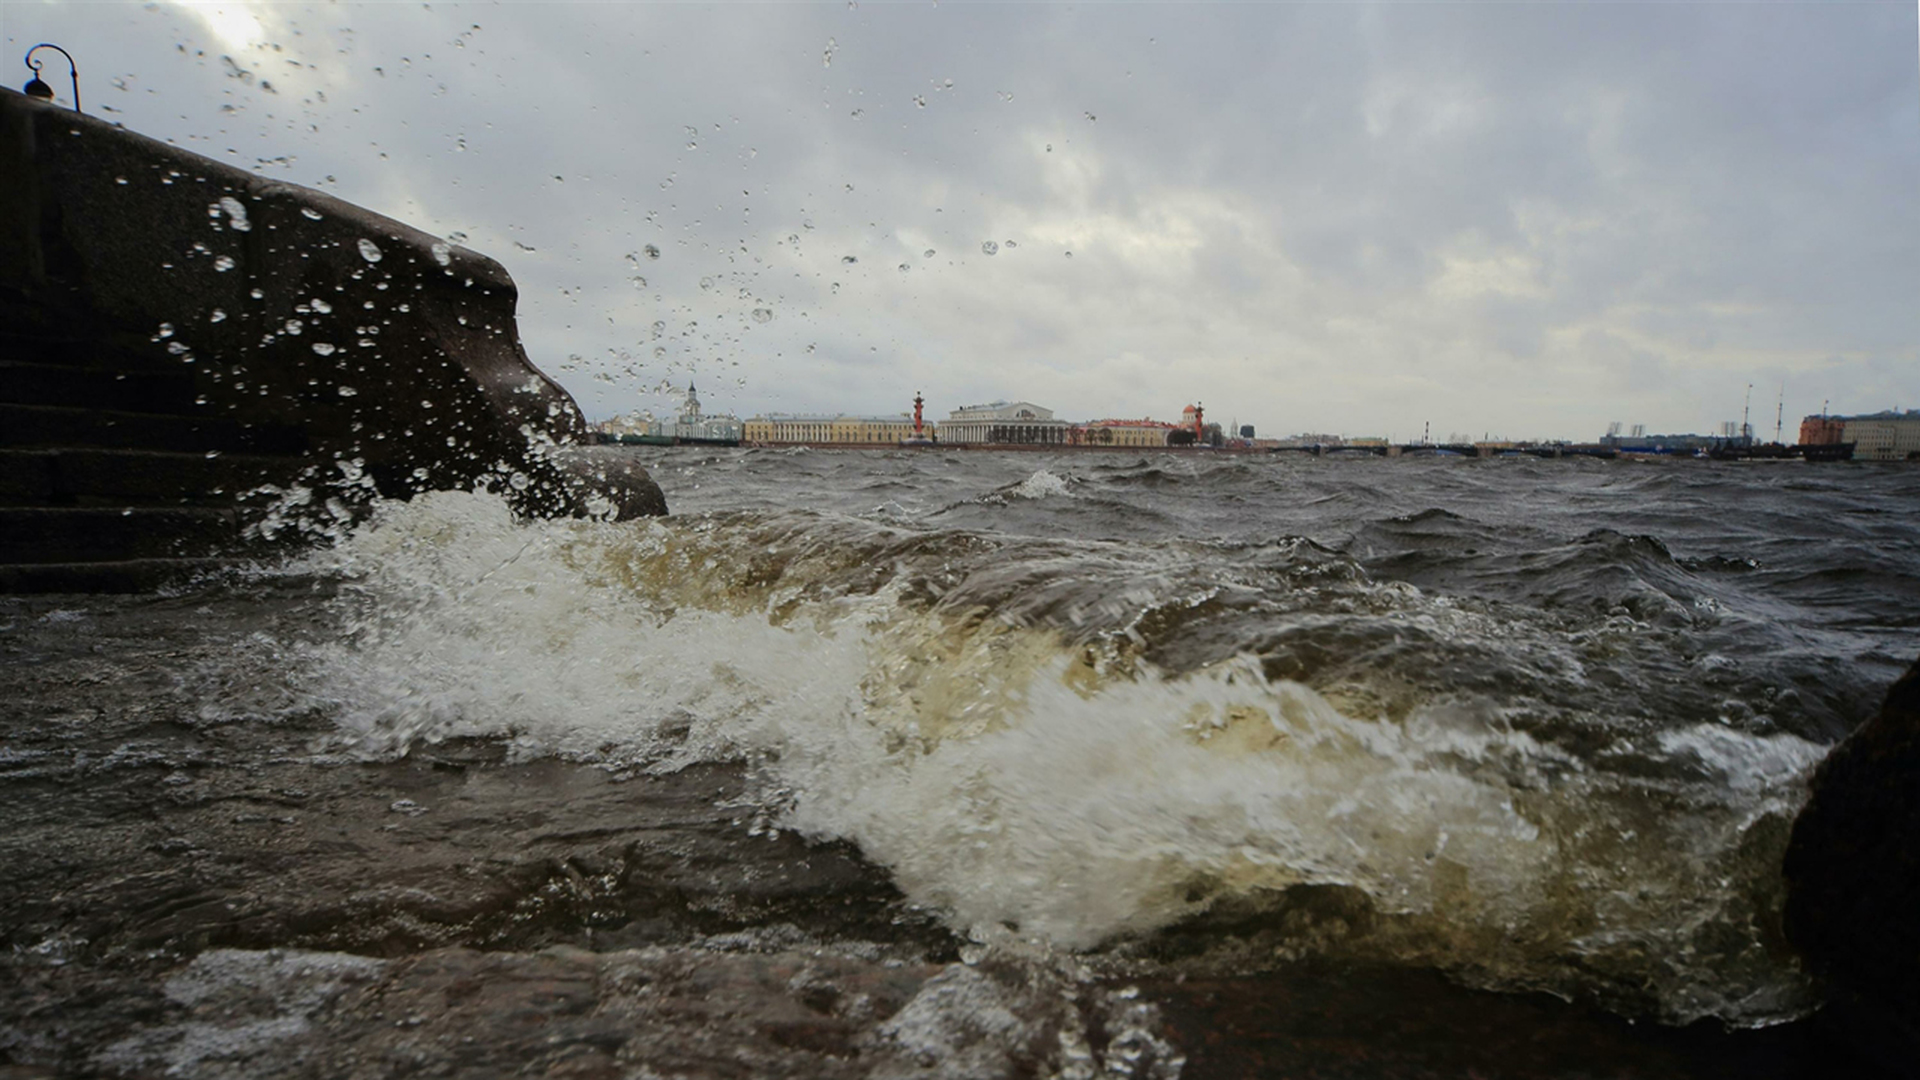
(1853, 878)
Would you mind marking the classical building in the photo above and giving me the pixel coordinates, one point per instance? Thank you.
(873, 430)
(1142, 433)
(1883, 436)
(694, 426)
(828, 429)
(790, 428)
(1005, 422)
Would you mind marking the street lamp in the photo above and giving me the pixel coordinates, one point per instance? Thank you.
(37, 89)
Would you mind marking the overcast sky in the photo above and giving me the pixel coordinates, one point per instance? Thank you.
(1507, 218)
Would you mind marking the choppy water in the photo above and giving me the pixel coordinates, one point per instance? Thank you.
(1546, 722)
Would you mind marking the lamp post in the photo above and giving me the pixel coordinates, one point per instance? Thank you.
(36, 88)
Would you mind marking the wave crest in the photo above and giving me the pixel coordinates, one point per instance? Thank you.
(1028, 769)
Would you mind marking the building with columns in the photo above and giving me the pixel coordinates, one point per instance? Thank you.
(1004, 423)
(829, 429)
(692, 425)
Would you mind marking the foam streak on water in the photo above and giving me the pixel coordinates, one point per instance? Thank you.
(997, 721)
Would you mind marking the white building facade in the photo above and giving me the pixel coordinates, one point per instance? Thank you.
(1004, 423)
(693, 425)
(1884, 436)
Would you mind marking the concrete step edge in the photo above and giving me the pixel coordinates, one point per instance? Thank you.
(120, 576)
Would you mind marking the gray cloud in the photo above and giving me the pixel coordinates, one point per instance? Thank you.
(1523, 219)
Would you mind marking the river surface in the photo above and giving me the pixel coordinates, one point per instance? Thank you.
(936, 730)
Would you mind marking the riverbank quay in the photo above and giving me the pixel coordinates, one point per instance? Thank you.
(198, 363)
(1418, 451)
(1011, 447)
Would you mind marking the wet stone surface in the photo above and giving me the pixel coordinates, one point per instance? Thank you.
(200, 883)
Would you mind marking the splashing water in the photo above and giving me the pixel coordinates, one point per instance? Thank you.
(1020, 769)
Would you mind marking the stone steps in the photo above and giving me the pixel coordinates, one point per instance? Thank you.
(114, 477)
(119, 576)
(87, 476)
(49, 338)
(58, 426)
(106, 534)
(102, 387)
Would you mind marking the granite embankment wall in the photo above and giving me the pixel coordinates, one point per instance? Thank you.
(383, 348)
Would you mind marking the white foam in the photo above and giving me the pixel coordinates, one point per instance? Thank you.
(1007, 783)
(1039, 486)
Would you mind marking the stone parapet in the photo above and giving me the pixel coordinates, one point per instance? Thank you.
(394, 351)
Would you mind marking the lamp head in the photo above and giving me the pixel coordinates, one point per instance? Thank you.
(38, 89)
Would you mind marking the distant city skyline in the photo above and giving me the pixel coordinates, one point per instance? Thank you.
(1522, 219)
(1784, 426)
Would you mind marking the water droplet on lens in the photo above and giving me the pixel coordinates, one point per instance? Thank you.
(236, 212)
(706, 283)
(928, 253)
(223, 263)
(310, 213)
(1010, 245)
(217, 316)
(323, 348)
(762, 315)
(849, 259)
(639, 282)
(348, 391)
(443, 254)
(651, 251)
(369, 251)
(904, 267)
(990, 248)
(320, 306)
(165, 331)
